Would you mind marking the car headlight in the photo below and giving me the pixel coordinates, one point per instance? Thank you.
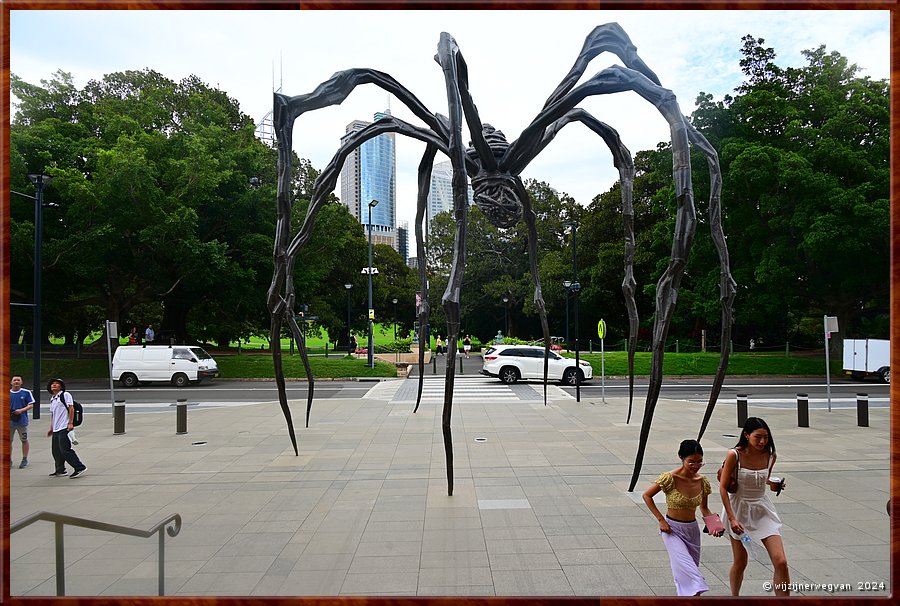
(202, 367)
(583, 363)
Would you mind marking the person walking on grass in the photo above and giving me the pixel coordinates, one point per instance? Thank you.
(21, 400)
(62, 415)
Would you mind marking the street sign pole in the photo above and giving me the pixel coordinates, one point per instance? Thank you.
(601, 332)
(831, 325)
(112, 332)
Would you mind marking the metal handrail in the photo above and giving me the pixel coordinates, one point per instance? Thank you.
(60, 520)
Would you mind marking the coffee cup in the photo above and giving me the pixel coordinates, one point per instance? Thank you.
(779, 482)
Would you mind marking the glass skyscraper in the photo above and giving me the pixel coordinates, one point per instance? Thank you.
(370, 173)
(440, 195)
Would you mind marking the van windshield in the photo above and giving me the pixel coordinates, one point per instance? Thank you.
(200, 353)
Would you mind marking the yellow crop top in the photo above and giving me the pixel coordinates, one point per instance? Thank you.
(674, 498)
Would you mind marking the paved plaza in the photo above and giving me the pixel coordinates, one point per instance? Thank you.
(540, 504)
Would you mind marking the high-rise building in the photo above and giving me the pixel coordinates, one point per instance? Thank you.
(440, 196)
(403, 239)
(369, 173)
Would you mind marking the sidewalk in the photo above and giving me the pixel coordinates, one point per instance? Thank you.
(539, 507)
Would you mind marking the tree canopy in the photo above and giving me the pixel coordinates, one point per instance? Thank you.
(152, 217)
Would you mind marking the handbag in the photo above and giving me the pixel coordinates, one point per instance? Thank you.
(732, 484)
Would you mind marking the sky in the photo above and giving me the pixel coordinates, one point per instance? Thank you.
(515, 60)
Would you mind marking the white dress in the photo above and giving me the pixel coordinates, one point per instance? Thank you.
(752, 506)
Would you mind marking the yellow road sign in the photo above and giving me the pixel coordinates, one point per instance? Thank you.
(601, 328)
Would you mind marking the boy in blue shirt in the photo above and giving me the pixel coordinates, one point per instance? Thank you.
(20, 402)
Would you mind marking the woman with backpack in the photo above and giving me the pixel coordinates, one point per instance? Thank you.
(62, 421)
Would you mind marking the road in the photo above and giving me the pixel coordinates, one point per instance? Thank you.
(762, 392)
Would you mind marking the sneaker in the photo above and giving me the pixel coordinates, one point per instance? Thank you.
(59, 474)
(23, 464)
(78, 472)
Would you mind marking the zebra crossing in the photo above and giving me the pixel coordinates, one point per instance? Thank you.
(465, 389)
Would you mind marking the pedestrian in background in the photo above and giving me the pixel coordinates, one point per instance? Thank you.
(149, 335)
(438, 346)
(21, 400)
(750, 511)
(679, 529)
(467, 345)
(62, 415)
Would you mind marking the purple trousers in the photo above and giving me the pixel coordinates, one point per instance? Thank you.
(683, 545)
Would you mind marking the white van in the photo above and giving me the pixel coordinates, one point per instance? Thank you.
(178, 364)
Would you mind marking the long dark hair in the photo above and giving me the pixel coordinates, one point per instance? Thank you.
(751, 425)
(688, 448)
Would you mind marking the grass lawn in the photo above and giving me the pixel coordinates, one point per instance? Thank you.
(232, 366)
(688, 364)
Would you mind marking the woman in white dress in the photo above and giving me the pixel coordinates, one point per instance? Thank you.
(750, 510)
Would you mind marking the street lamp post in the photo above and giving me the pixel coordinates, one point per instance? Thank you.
(348, 286)
(371, 352)
(394, 300)
(506, 313)
(567, 284)
(40, 181)
(575, 287)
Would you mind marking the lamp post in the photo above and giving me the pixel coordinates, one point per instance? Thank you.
(506, 313)
(575, 287)
(40, 181)
(567, 284)
(348, 286)
(394, 301)
(371, 358)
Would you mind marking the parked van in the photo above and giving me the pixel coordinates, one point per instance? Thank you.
(178, 364)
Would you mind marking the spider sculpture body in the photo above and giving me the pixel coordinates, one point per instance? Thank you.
(494, 164)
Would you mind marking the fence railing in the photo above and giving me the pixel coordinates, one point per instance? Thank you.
(60, 521)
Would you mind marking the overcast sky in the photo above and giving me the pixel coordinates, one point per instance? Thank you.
(515, 59)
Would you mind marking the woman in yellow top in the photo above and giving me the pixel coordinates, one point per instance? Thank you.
(679, 529)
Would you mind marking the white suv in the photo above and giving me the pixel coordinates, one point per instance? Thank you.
(511, 363)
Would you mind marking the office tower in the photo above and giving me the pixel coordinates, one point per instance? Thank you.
(440, 196)
(369, 173)
(403, 239)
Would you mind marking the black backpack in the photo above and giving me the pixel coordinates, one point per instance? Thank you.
(78, 416)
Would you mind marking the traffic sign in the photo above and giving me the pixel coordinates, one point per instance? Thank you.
(601, 328)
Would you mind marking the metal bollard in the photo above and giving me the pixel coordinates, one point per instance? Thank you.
(434, 364)
(741, 409)
(119, 417)
(802, 410)
(460, 363)
(181, 416)
(862, 409)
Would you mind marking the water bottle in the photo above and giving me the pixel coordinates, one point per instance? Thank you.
(750, 545)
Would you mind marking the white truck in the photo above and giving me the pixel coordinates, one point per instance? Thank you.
(177, 364)
(863, 357)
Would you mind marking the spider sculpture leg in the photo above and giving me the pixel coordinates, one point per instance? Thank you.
(425, 168)
(727, 286)
(618, 79)
(448, 57)
(529, 218)
(286, 111)
(625, 165)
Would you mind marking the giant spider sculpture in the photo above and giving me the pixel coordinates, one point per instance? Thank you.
(493, 164)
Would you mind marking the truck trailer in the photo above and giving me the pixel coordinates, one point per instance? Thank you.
(866, 357)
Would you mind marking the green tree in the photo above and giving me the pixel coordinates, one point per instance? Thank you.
(805, 155)
(156, 218)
